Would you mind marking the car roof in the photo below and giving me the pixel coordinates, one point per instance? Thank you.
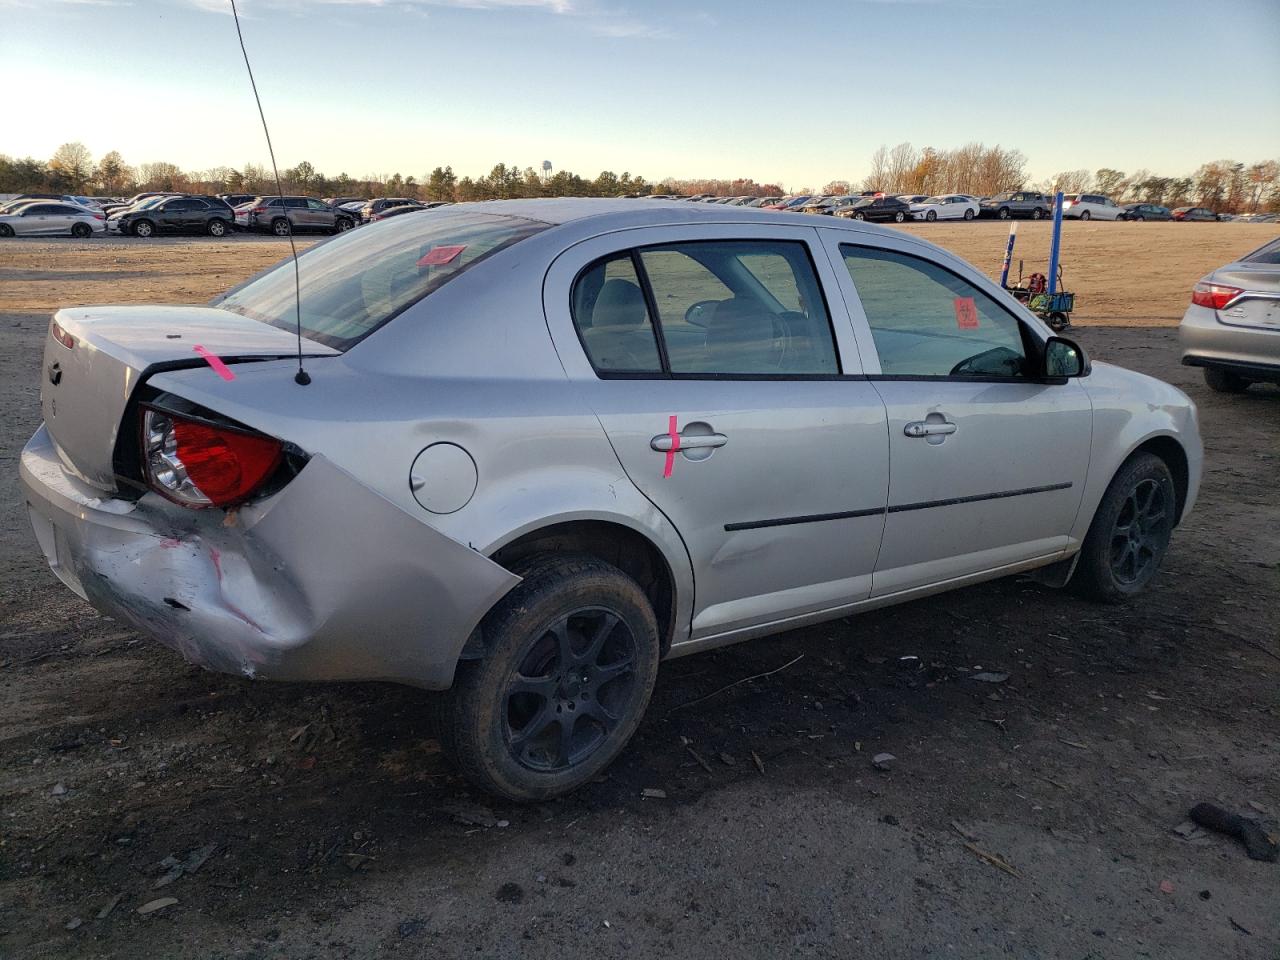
(613, 213)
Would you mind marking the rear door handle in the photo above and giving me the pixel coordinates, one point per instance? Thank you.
(663, 443)
(922, 428)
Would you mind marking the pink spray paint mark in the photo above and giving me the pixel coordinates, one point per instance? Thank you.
(220, 368)
(675, 447)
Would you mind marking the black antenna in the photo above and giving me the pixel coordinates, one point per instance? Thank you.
(301, 377)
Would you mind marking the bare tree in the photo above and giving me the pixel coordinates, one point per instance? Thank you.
(71, 166)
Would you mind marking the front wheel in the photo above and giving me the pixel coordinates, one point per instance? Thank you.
(342, 225)
(1129, 533)
(217, 228)
(1137, 217)
(1224, 381)
(1085, 215)
(859, 215)
(931, 216)
(81, 231)
(1037, 213)
(899, 217)
(571, 658)
(6, 230)
(1004, 213)
(144, 229)
(280, 227)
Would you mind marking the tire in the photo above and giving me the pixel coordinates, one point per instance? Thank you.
(931, 216)
(1137, 217)
(1037, 213)
(968, 214)
(562, 729)
(859, 215)
(1085, 215)
(280, 226)
(144, 229)
(342, 225)
(217, 228)
(899, 217)
(81, 231)
(1224, 381)
(6, 230)
(1129, 533)
(1058, 321)
(1004, 213)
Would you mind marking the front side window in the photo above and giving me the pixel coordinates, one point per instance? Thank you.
(928, 322)
(361, 279)
(740, 307)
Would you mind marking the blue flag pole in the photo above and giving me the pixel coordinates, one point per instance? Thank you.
(1008, 254)
(1055, 246)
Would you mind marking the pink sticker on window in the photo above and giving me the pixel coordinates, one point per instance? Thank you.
(439, 256)
(966, 313)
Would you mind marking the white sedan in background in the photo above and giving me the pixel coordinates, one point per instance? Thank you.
(52, 218)
(949, 206)
(1090, 206)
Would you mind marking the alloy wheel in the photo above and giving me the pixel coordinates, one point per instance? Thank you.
(566, 696)
(1140, 532)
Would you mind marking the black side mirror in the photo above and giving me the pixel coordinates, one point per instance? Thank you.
(1064, 358)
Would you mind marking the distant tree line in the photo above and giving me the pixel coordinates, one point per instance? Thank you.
(974, 168)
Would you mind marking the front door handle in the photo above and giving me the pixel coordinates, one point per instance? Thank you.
(925, 428)
(663, 442)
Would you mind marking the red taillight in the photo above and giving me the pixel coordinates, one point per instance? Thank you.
(99, 216)
(1215, 296)
(259, 209)
(201, 465)
(64, 338)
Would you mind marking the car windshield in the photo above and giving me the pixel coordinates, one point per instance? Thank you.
(935, 200)
(358, 281)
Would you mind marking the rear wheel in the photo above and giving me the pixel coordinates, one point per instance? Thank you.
(144, 229)
(1037, 213)
(1224, 381)
(1136, 216)
(571, 658)
(280, 226)
(968, 214)
(6, 230)
(81, 231)
(1130, 532)
(1084, 215)
(217, 228)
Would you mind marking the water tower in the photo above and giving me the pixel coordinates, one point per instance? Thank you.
(546, 169)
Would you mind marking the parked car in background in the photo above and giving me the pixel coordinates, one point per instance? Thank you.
(1232, 328)
(381, 203)
(1090, 206)
(876, 209)
(48, 218)
(1198, 214)
(767, 202)
(183, 214)
(1018, 203)
(398, 211)
(1146, 211)
(237, 199)
(138, 198)
(829, 206)
(343, 201)
(910, 198)
(947, 206)
(796, 202)
(59, 197)
(282, 215)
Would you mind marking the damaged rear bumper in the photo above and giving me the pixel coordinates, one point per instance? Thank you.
(325, 580)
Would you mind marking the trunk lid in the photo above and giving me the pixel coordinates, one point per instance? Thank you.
(85, 388)
(1259, 306)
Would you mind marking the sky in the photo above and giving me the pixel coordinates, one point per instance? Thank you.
(797, 93)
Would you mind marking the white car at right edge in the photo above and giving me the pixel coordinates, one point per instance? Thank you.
(948, 206)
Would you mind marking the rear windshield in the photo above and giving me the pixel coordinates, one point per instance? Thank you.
(1266, 254)
(355, 283)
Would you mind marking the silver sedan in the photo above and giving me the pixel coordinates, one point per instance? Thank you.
(1232, 328)
(522, 451)
(51, 218)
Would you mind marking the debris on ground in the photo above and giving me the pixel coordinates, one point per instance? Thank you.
(755, 758)
(987, 676)
(59, 790)
(154, 905)
(1166, 886)
(727, 760)
(110, 905)
(73, 923)
(509, 893)
(472, 816)
(883, 761)
(992, 859)
(1257, 842)
(653, 793)
(698, 757)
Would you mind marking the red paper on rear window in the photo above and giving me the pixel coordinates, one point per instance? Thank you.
(966, 313)
(439, 256)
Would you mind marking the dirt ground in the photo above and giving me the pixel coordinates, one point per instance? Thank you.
(1034, 818)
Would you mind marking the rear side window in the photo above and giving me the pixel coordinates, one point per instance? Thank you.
(361, 279)
(928, 322)
(724, 308)
(612, 318)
